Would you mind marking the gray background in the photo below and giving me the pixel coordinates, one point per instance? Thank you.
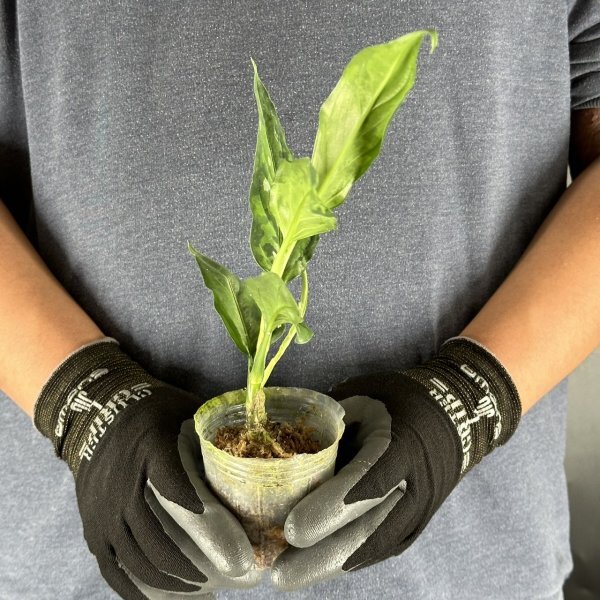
(582, 464)
(583, 477)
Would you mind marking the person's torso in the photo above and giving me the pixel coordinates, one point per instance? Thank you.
(141, 128)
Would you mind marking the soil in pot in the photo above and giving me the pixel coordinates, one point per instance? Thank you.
(286, 441)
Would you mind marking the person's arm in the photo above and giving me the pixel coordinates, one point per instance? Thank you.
(40, 324)
(127, 437)
(544, 319)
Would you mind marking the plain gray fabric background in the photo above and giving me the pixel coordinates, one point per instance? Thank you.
(582, 464)
(131, 128)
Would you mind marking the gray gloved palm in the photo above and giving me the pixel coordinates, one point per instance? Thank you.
(154, 527)
(410, 436)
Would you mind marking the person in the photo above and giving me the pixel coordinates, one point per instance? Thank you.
(128, 129)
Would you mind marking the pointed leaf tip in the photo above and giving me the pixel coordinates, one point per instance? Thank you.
(434, 39)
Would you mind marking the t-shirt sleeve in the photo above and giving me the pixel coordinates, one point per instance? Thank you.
(15, 173)
(584, 53)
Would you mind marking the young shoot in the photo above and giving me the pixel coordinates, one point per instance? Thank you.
(292, 201)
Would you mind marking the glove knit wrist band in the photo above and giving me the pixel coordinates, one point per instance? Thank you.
(84, 395)
(98, 341)
(477, 393)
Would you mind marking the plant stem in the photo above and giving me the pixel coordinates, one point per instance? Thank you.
(304, 293)
(256, 415)
(282, 257)
(291, 333)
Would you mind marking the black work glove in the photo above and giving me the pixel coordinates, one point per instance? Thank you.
(410, 437)
(149, 519)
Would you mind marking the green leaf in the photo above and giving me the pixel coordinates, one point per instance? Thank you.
(232, 301)
(354, 118)
(304, 333)
(271, 150)
(275, 302)
(301, 254)
(277, 333)
(298, 210)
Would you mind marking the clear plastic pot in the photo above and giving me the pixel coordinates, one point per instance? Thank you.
(262, 491)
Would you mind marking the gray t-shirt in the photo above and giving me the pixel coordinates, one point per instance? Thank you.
(129, 128)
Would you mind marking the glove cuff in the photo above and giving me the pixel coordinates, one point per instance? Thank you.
(84, 394)
(476, 392)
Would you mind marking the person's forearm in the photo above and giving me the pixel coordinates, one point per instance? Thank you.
(544, 320)
(40, 324)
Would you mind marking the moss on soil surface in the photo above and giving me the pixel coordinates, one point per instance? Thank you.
(287, 440)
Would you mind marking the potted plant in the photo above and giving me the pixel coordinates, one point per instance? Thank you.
(264, 448)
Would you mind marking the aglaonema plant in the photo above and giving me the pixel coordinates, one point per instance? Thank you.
(292, 202)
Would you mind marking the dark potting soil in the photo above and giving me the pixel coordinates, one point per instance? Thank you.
(288, 440)
(273, 543)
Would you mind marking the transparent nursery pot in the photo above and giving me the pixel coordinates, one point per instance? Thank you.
(262, 491)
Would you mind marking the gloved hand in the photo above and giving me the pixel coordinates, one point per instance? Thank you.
(410, 437)
(154, 527)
